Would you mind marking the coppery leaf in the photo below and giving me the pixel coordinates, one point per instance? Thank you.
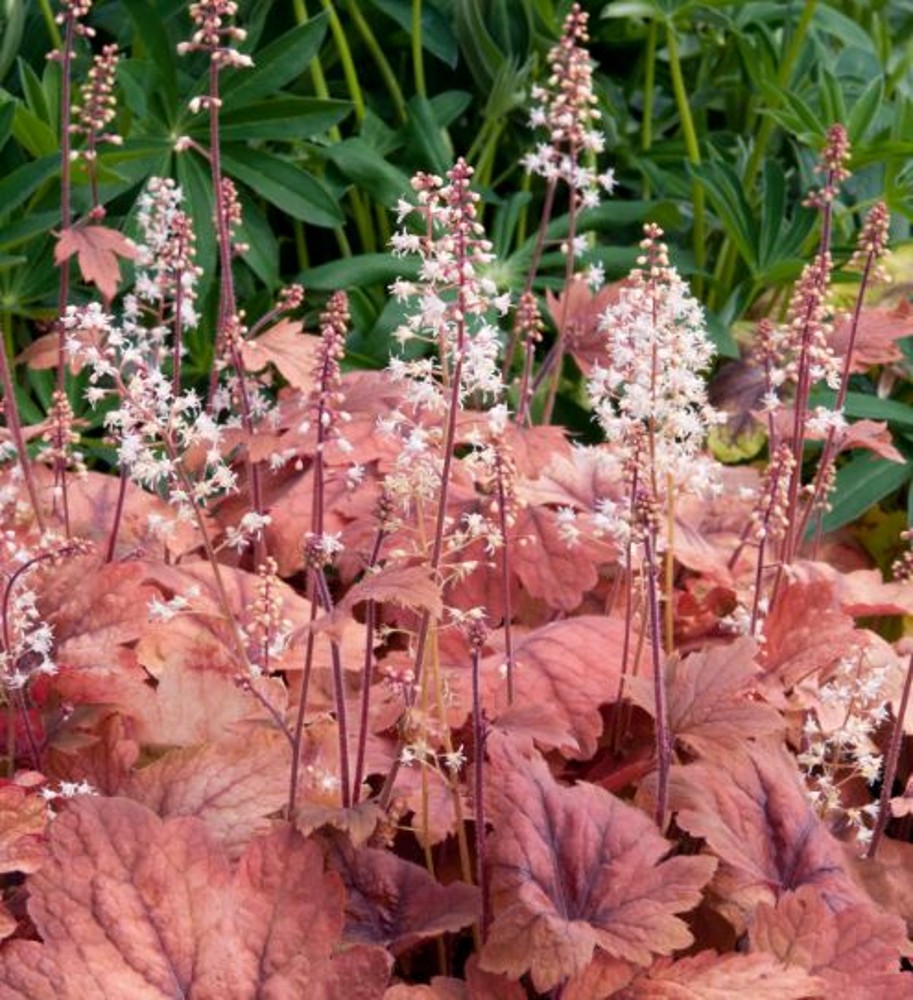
(573, 869)
(284, 346)
(708, 976)
(23, 819)
(97, 250)
(856, 951)
(565, 670)
(878, 331)
(710, 706)
(750, 808)
(232, 786)
(394, 903)
(129, 905)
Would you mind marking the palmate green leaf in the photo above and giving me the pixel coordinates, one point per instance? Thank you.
(194, 178)
(437, 34)
(424, 135)
(484, 53)
(832, 102)
(281, 183)
(860, 484)
(790, 111)
(34, 135)
(152, 39)
(276, 65)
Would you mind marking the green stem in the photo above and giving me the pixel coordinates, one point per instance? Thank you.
(374, 47)
(692, 148)
(418, 59)
(48, 14)
(345, 60)
(646, 125)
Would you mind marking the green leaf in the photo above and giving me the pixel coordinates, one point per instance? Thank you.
(868, 102)
(365, 269)
(35, 98)
(727, 197)
(860, 484)
(437, 36)
(425, 136)
(152, 40)
(196, 185)
(276, 65)
(7, 113)
(262, 256)
(632, 8)
(12, 25)
(281, 118)
(17, 186)
(860, 405)
(8, 260)
(34, 135)
(284, 185)
(363, 165)
(449, 105)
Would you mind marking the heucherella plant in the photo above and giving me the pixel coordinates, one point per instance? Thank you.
(650, 399)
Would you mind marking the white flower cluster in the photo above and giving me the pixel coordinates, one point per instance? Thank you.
(650, 396)
(838, 740)
(566, 108)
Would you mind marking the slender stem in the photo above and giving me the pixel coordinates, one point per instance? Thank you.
(377, 52)
(339, 696)
(301, 712)
(693, 149)
(890, 765)
(11, 413)
(478, 739)
(646, 125)
(118, 515)
(370, 622)
(505, 575)
(346, 61)
(663, 741)
(418, 58)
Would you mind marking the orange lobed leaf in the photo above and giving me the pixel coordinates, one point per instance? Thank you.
(855, 951)
(284, 346)
(394, 903)
(565, 671)
(129, 905)
(577, 313)
(709, 698)
(751, 809)
(708, 976)
(97, 249)
(23, 819)
(877, 334)
(576, 869)
(232, 786)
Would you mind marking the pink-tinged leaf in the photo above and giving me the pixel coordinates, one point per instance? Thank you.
(751, 809)
(807, 632)
(872, 435)
(284, 346)
(708, 976)
(404, 586)
(577, 313)
(288, 923)
(23, 820)
(97, 249)
(232, 786)
(129, 905)
(855, 951)
(394, 903)
(710, 702)
(887, 878)
(576, 869)
(565, 670)
(877, 334)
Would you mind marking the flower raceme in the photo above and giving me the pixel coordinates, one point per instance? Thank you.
(650, 397)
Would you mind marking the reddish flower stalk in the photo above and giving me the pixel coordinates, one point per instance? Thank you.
(871, 247)
(890, 765)
(477, 635)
